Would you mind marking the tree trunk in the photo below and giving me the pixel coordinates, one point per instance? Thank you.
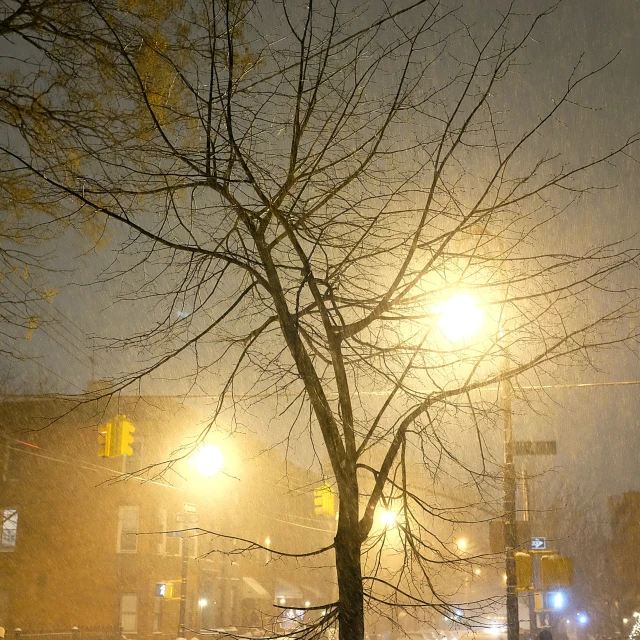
(348, 557)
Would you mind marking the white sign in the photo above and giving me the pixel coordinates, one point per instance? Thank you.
(538, 543)
(186, 518)
(189, 508)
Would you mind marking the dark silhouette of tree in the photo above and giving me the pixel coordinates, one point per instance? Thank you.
(295, 190)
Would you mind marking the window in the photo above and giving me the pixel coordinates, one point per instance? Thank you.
(12, 461)
(162, 528)
(4, 605)
(9, 529)
(127, 529)
(174, 544)
(129, 612)
(157, 615)
(131, 464)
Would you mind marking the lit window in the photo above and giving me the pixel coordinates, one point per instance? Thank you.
(9, 529)
(129, 612)
(127, 529)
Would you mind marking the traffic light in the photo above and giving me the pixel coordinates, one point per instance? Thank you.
(538, 601)
(125, 437)
(115, 438)
(324, 501)
(524, 571)
(164, 590)
(556, 600)
(107, 440)
(556, 571)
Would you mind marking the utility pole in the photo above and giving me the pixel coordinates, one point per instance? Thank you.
(510, 536)
(188, 517)
(526, 507)
(183, 586)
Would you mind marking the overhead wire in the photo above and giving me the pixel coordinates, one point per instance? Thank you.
(37, 362)
(40, 307)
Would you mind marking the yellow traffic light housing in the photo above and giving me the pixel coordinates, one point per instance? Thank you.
(556, 571)
(324, 501)
(524, 571)
(125, 433)
(116, 437)
(107, 440)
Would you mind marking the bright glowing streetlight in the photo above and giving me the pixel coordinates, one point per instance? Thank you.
(387, 519)
(208, 460)
(462, 544)
(460, 317)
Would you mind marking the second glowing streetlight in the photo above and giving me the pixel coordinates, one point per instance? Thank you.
(207, 460)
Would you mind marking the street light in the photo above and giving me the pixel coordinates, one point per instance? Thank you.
(207, 460)
(461, 318)
(387, 518)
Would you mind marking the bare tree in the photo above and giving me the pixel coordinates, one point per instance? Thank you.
(295, 190)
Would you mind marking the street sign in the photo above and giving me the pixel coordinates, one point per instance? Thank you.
(189, 508)
(534, 447)
(539, 543)
(186, 518)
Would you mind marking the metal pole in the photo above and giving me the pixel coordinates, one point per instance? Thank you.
(526, 507)
(183, 586)
(510, 537)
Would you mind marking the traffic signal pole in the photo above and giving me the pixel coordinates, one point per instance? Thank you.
(510, 537)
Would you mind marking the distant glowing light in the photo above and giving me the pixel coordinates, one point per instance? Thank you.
(625, 620)
(267, 542)
(460, 317)
(307, 604)
(477, 571)
(495, 630)
(283, 601)
(462, 544)
(208, 460)
(504, 577)
(202, 602)
(558, 600)
(387, 518)
(583, 618)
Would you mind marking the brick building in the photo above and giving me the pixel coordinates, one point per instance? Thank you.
(624, 511)
(85, 544)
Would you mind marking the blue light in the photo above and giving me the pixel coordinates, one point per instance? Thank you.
(557, 600)
(583, 618)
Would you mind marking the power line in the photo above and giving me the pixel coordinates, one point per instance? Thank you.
(40, 307)
(13, 348)
(67, 318)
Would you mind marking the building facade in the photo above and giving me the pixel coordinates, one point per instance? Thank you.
(98, 542)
